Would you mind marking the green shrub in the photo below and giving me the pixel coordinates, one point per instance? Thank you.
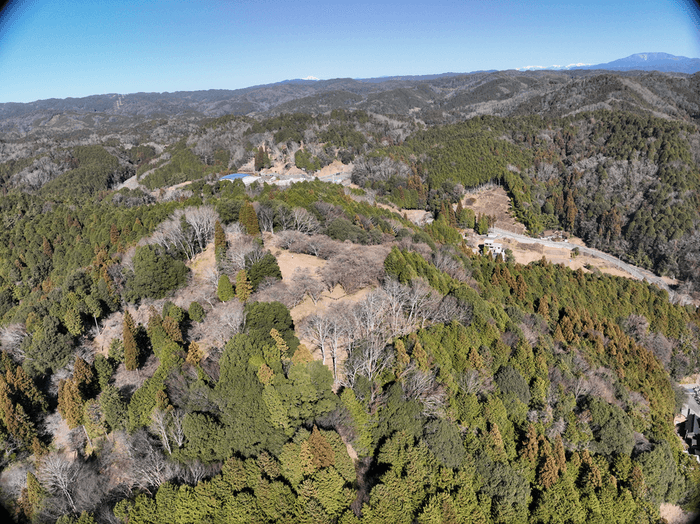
(196, 312)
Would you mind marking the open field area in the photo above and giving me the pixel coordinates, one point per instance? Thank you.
(494, 201)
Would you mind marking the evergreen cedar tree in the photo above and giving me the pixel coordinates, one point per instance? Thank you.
(131, 350)
(155, 274)
(262, 159)
(196, 311)
(243, 286)
(249, 219)
(219, 241)
(540, 446)
(224, 289)
(258, 271)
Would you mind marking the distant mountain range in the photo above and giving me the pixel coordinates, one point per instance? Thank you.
(662, 62)
(633, 84)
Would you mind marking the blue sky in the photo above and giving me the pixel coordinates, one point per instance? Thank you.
(75, 48)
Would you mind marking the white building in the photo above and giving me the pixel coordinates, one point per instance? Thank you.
(494, 248)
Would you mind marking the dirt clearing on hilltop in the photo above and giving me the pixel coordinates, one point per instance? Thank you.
(494, 201)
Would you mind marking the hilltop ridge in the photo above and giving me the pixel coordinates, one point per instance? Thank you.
(442, 100)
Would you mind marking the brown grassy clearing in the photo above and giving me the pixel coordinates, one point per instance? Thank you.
(494, 202)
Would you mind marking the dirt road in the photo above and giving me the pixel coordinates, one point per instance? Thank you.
(634, 271)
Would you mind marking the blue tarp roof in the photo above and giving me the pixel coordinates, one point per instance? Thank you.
(234, 176)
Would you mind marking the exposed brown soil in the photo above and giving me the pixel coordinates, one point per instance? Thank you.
(494, 202)
(336, 166)
(200, 285)
(417, 216)
(289, 263)
(526, 253)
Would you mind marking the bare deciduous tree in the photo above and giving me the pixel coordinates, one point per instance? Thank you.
(15, 479)
(581, 387)
(369, 317)
(169, 235)
(367, 360)
(207, 291)
(58, 475)
(316, 328)
(636, 326)
(148, 467)
(41, 171)
(368, 355)
(233, 317)
(662, 347)
(284, 217)
(396, 299)
(410, 306)
(266, 216)
(470, 382)
(449, 309)
(196, 471)
(339, 334)
(274, 290)
(557, 428)
(11, 338)
(240, 246)
(366, 168)
(176, 430)
(423, 387)
(329, 211)
(201, 219)
(354, 268)
(304, 222)
(160, 419)
(444, 261)
(188, 230)
(285, 239)
(303, 284)
(322, 247)
(317, 245)
(255, 255)
(422, 304)
(220, 324)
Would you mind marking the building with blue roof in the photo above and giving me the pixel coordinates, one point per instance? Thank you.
(246, 178)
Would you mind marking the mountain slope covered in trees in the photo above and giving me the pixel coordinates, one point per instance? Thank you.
(454, 387)
(433, 99)
(506, 390)
(626, 184)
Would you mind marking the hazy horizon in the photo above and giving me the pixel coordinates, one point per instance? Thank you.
(73, 49)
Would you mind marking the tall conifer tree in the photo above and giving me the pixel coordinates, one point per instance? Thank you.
(131, 350)
(219, 241)
(249, 219)
(243, 286)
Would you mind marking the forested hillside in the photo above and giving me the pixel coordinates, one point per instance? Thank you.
(434, 99)
(626, 184)
(159, 365)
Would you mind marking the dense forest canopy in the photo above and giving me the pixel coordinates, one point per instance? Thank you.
(156, 366)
